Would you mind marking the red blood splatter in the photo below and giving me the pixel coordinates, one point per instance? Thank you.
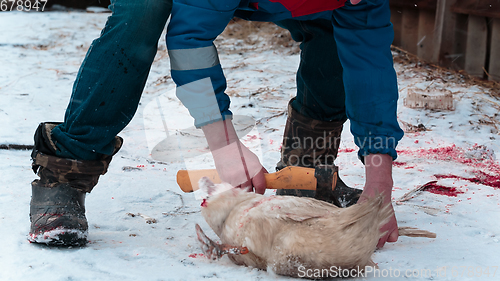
(442, 190)
(416, 141)
(486, 171)
(194, 256)
(204, 203)
(347, 150)
(265, 199)
(481, 178)
(402, 164)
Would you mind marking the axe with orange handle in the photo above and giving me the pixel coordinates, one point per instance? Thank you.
(323, 179)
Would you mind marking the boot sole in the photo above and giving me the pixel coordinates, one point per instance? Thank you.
(60, 237)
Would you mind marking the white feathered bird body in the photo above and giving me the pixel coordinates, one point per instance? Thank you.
(286, 234)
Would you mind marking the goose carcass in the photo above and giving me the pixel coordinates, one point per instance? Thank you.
(290, 235)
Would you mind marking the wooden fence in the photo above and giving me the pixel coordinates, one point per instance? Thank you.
(461, 34)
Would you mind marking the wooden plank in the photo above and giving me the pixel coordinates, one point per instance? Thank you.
(396, 19)
(409, 30)
(483, 8)
(460, 43)
(494, 69)
(438, 29)
(444, 34)
(477, 40)
(425, 43)
(414, 4)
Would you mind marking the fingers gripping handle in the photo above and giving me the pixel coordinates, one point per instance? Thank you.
(288, 178)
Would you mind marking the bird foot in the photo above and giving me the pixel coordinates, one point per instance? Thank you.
(215, 251)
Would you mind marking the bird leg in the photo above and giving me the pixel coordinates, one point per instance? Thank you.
(415, 232)
(215, 251)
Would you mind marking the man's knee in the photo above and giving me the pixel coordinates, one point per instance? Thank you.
(140, 16)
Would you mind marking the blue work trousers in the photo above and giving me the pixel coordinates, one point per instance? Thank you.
(345, 72)
(111, 79)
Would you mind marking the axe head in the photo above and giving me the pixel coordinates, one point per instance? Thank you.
(326, 180)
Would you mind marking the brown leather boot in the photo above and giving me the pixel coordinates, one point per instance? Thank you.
(57, 208)
(309, 143)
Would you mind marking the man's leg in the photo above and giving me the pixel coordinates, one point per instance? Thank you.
(110, 81)
(69, 157)
(320, 88)
(316, 115)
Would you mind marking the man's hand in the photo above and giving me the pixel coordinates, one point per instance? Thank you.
(240, 167)
(235, 163)
(379, 180)
(390, 228)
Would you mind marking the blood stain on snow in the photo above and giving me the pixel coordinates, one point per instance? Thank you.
(251, 137)
(442, 190)
(194, 256)
(398, 164)
(402, 164)
(347, 150)
(481, 178)
(457, 154)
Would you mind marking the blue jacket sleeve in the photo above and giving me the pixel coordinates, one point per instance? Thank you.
(364, 35)
(195, 66)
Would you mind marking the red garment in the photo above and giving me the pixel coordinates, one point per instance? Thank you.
(306, 7)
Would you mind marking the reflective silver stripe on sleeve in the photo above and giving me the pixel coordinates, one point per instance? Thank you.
(199, 98)
(191, 59)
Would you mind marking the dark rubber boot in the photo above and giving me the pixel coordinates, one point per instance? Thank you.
(310, 143)
(57, 209)
(57, 215)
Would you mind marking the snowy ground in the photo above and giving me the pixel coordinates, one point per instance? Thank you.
(40, 54)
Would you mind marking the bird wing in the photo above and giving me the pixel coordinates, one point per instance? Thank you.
(296, 208)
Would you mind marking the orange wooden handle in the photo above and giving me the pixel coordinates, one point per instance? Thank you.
(288, 178)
